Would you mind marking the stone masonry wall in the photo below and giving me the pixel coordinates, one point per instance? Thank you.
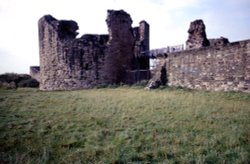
(217, 68)
(67, 62)
(51, 46)
(84, 59)
(120, 50)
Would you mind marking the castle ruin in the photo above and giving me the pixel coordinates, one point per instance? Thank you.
(67, 62)
(122, 56)
(206, 64)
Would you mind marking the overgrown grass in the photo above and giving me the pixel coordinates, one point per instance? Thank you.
(124, 125)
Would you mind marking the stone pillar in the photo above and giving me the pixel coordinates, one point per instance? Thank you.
(197, 37)
(144, 36)
(144, 45)
(120, 51)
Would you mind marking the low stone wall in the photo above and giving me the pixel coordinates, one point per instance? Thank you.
(217, 68)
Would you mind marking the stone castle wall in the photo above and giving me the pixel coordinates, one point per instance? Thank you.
(208, 64)
(217, 68)
(67, 62)
(122, 56)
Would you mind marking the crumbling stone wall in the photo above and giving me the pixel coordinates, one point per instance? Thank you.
(84, 59)
(67, 62)
(120, 47)
(197, 37)
(213, 64)
(216, 68)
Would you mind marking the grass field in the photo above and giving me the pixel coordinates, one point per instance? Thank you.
(124, 125)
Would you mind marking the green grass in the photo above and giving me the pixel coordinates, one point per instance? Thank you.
(124, 125)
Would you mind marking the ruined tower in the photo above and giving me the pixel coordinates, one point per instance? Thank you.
(119, 56)
(67, 62)
(197, 37)
(142, 46)
(52, 35)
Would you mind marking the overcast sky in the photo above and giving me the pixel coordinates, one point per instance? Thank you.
(169, 21)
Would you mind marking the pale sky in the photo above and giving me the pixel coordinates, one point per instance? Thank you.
(169, 21)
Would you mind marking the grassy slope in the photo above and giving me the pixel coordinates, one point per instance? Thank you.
(124, 125)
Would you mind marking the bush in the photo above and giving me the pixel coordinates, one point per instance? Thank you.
(13, 80)
(32, 83)
(6, 85)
